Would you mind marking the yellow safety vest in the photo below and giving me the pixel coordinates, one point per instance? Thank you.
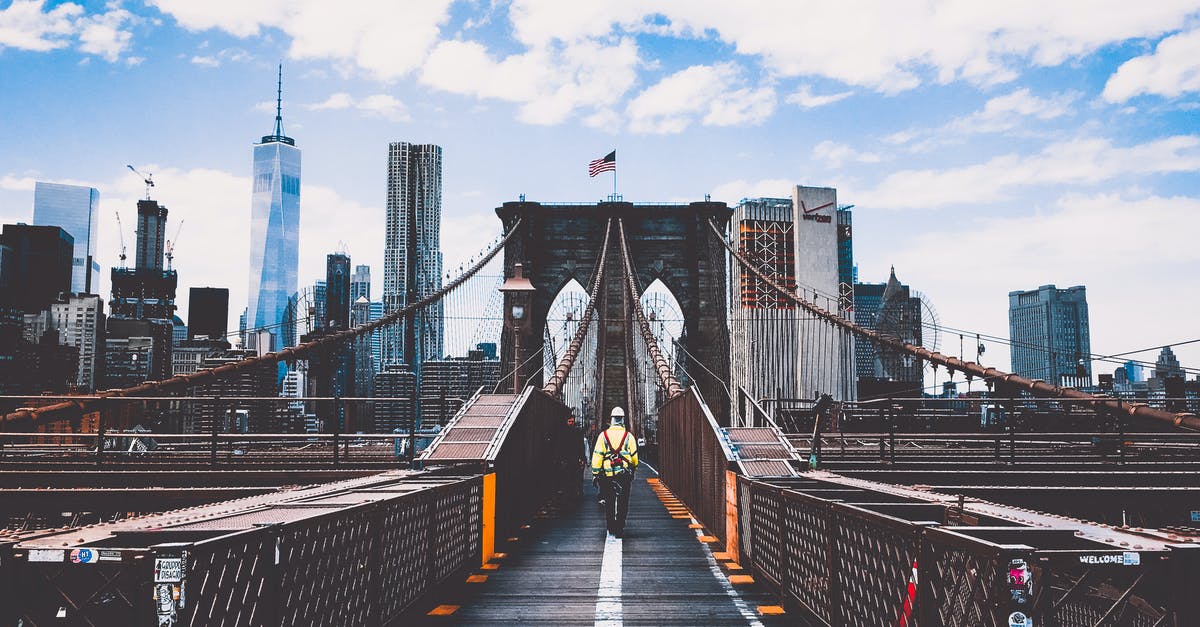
(602, 461)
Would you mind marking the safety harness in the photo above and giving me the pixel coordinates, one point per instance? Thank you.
(615, 456)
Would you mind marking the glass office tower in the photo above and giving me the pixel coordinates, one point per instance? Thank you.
(74, 208)
(274, 230)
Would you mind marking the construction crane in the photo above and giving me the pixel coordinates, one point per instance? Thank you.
(170, 247)
(148, 179)
(121, 234)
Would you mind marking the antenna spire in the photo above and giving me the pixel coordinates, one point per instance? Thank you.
(279, 104)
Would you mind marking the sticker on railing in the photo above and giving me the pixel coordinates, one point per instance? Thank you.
(1020, 619)
(83, 556)
(1128, 558)
(47, 555)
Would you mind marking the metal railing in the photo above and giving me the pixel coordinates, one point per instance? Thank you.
(693, 459)
(326, 561)
(848, 556)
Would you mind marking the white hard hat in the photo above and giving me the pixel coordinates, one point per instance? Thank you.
(618, 414)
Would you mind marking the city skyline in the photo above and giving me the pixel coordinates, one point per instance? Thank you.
(1025, 153)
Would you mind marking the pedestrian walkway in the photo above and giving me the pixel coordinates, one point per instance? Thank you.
(564, 569)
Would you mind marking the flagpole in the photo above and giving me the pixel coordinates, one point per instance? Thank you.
(614, 183)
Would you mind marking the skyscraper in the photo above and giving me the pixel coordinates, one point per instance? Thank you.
(38, 268)
(894, 311)
(412, 257)
(337, 291)
(79, 319)
(208, 312)
(360, 284)
(826, 355)
(1050, 335)
(75, 209)
(146, 291)
(274, 227)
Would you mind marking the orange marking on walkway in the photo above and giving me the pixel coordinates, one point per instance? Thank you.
(477, 579)
(695, 526)
(443, 610)
(771, 610)
(722, 556)
(513, 539)
(490, 566)
(739, 580)
(499, 556)
(708, 539)
(653, 480)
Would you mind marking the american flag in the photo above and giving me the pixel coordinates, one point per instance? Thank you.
(607, 163)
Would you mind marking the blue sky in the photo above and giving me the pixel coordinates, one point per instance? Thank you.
(986, 148)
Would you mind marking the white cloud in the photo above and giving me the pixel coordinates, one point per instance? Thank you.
(805, 98)
(834, 154)
(17, 183)
(1075, 162)
(216, 60)
(385, 38)
(887, 45)
(700, 91)
(385, 106)
(733, 191)
(1099, 241)
(335, 102)
(1173, 69)
(25, 26)
(549, 82)
(106, 34)
(1002, 114)
(381, 105)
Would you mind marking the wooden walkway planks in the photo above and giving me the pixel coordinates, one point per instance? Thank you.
(551, 575)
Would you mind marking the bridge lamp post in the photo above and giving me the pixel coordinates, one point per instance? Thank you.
(518, 292)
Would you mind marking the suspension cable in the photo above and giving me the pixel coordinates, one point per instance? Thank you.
(666, 378)
(970, 369)
(563, 369)
(49, 412)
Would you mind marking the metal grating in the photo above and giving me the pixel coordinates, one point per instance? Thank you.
(738, 435)
(469, 434)
(763, 451)
(456, 451)
(767, 468)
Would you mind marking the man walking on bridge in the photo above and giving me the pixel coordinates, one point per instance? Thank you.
(614, 461)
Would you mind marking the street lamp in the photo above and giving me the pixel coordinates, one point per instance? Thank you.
(517, 292)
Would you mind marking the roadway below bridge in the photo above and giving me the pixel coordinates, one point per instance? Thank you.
(564, 569)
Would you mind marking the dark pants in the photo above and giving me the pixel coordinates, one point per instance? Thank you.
(615, 492)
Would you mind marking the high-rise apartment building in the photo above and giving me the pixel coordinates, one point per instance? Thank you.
(79, 319)
(208, 312)
(412, 254)
(337, 292)
(274, 229)
(37, 268)
(1050, 335)
(826, 364)
(360, 283)
(75, 208)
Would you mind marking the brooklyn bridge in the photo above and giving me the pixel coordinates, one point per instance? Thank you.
(1060, 508)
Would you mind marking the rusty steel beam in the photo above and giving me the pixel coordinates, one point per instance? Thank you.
(1037, 387)
(666, 378)
(568, 359)
(35, 416)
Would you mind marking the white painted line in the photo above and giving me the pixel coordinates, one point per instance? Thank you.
(743, 608)
(650, 467)
(608, 599)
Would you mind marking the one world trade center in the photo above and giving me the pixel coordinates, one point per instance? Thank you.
(274, 236)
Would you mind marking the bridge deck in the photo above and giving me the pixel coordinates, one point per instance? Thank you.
(563, 571)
